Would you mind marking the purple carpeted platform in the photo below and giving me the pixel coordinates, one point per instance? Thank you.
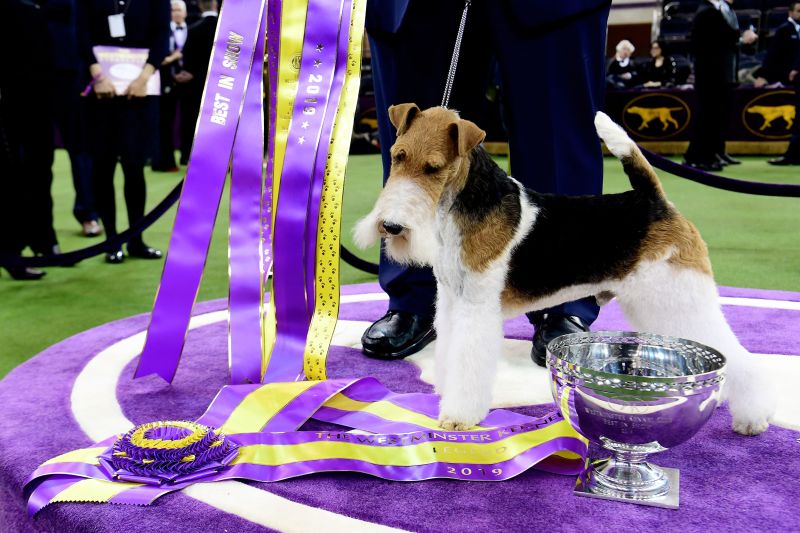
(728, 482)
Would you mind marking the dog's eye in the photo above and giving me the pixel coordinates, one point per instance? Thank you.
(399, 156)
(431, 169)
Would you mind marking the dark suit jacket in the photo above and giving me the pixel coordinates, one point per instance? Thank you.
(782, 54)
(715, 46)
(196, 54)
(385, 16)
(198, 47)
(62, 26)
(24, 23)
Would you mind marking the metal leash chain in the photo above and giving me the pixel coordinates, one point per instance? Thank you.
(454, 61)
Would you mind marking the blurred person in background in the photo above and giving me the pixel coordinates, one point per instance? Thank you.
(26, 139)
(782, 63)
(196, 54)
(170, 89)
(70, 109)
(715, 40)
(120, 123)
(661, 71)
(620, 72)
(782, 53)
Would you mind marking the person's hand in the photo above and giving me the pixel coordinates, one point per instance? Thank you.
(749, 36)
(626, 75)
(183, 77)
(137, 88)
(103, 88)
(651, 84)
(793, 74)
(173, 57)
(759, 82)
(101, 85)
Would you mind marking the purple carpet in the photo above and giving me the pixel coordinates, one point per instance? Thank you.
(727, 481)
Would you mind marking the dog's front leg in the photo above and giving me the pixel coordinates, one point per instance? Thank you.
(442, 325)
(473, 346)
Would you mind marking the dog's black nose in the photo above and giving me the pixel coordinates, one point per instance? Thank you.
(392, 229)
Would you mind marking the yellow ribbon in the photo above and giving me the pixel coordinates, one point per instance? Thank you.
(326, 306)
(430, 451)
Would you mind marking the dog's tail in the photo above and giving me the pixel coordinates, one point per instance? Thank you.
(643, 177)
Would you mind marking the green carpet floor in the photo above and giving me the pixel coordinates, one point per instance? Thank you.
(754, 242)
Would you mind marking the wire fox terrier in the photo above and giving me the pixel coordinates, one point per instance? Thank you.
(498, 250)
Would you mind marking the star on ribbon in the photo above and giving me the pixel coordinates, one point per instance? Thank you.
(317, 63)
(301, 140)
(305, 125)
(319, 48)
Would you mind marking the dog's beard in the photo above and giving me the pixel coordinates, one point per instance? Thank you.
(412, 247)
(401, 203)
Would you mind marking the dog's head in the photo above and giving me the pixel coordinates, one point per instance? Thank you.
(431, 155)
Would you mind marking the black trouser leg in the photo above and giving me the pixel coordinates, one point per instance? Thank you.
(71, 117)
(137, 124)
(699, 150)
(793, 151)
(34, 124)
(105, 130)
(103, 167)
(166, 120)
(13, 236)
(724, 99)
(135, 194)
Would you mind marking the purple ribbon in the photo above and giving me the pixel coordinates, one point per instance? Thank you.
(236, 36)
(246, 290)
(319, 167)
(304, 147)
(273, 57)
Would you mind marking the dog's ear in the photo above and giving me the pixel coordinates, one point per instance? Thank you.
(466, 136)
(401, 116)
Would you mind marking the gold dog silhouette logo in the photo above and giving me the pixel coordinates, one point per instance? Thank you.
(656, 116)
(770, 115)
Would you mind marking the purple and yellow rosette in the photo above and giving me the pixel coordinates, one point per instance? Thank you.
(168, 452)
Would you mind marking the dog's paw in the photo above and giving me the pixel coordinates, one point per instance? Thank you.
(750, 427)
(454, 425)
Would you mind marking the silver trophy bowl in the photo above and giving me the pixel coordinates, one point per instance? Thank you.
(634, 394)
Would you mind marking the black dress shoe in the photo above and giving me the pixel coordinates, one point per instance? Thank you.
(783, 161)
(115, 258)
(725, 159)
(396, 335)
(25, 273)
(143, 251)
(714, 166)
(551, 327)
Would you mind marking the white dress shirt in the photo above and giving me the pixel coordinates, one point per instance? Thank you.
(178, 37)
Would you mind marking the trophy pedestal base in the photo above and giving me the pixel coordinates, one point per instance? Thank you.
(669, 500)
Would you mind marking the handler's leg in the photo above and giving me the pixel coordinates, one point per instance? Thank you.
(553, 82)
(411, 52)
